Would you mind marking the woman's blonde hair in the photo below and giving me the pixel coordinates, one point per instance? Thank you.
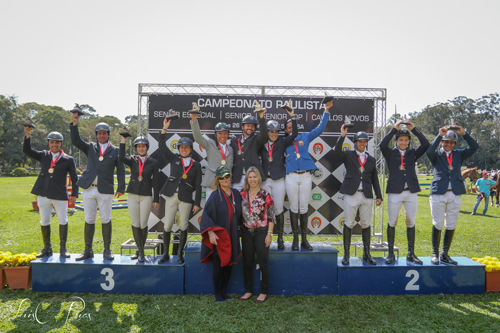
(257, 173)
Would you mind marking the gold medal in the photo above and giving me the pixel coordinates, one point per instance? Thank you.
(223, 162)
(361, 169)
(184, 176)
(51, 170)
(101, 158)
(402, 167)
(298, 155)
(301, 142)
(450, 167)
(270, 159)
(139, 178)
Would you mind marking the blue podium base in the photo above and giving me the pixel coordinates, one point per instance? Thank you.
(401, 277)
(98, 275)
(302, 272)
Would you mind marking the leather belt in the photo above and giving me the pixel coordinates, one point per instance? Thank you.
(255, 229)
(449, 190)
(301, 172)
(406, 189)
(359, 190)
(95, 185)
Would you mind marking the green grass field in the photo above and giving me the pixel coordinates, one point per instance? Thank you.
(27, 311)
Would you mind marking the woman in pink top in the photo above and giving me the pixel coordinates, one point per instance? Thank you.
(257, 232)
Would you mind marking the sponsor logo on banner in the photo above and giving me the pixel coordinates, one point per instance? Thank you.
(203, 170)
(318, 173)
(318, 148)
(173, 144)
(199, 219)
(317, 196)
(201, 148)
(346, 147)
(316, 222)
(342, 221)
(177, 220)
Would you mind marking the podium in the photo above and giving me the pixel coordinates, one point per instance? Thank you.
(98, 275)
(302, 272)
(400, 277)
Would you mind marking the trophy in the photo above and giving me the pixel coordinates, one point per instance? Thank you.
(77, 109)
(172, 115)
(404, 121)
(326, 99)
(126, 134)
(288, 106)
(452, 125)
(195, 110)
(29, 123)
(258, 108)
(348, 123)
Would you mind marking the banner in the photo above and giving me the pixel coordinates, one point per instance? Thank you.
(326, 204)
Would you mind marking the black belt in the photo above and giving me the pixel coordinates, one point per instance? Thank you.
(95, 185)
(360, 190)
(406, 189)
(255, 229)
(301, 172)
(449, 190)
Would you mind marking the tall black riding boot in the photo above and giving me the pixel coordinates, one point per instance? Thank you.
(280, 226)
(89, 238)
(448, 238)
(144, 236)
(47, 247)
(347, 245)
(166, 247)
(366, 236)
(106, 237)
(294, 221)
(63, 236)
(391, 234)
(136, 232)
(436, 239)
(303, 228)
(182, 242)
(411, 257)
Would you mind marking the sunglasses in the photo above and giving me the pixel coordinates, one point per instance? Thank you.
(225, 177)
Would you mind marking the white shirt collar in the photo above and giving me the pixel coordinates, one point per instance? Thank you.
(103, 146)
(187, 161)
(402, 152)
(55, 156)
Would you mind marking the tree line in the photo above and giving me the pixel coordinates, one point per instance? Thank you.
(479, 117)
(47, 119)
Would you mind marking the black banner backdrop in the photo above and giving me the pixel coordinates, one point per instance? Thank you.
(326, 204)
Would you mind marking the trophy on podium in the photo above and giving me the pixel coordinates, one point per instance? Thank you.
(287, 106)
(348, 123)
(195, 109)
(77, 109)
(126, 134)
(29, 123)
(172, 115)
(452, 125)
(326, 99)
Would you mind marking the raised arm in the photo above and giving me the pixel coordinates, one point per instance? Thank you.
(198, 137)
(384, 144)
(424, 143)
(123, 158)
(261, 140)
(295, 131)
(34, 154)
(76, 140)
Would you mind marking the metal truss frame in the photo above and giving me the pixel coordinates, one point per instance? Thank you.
(378, 95)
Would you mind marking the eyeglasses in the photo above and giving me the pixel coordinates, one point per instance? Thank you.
(225, 177)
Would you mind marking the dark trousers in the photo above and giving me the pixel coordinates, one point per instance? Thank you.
(220, 275)
(255, 243)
